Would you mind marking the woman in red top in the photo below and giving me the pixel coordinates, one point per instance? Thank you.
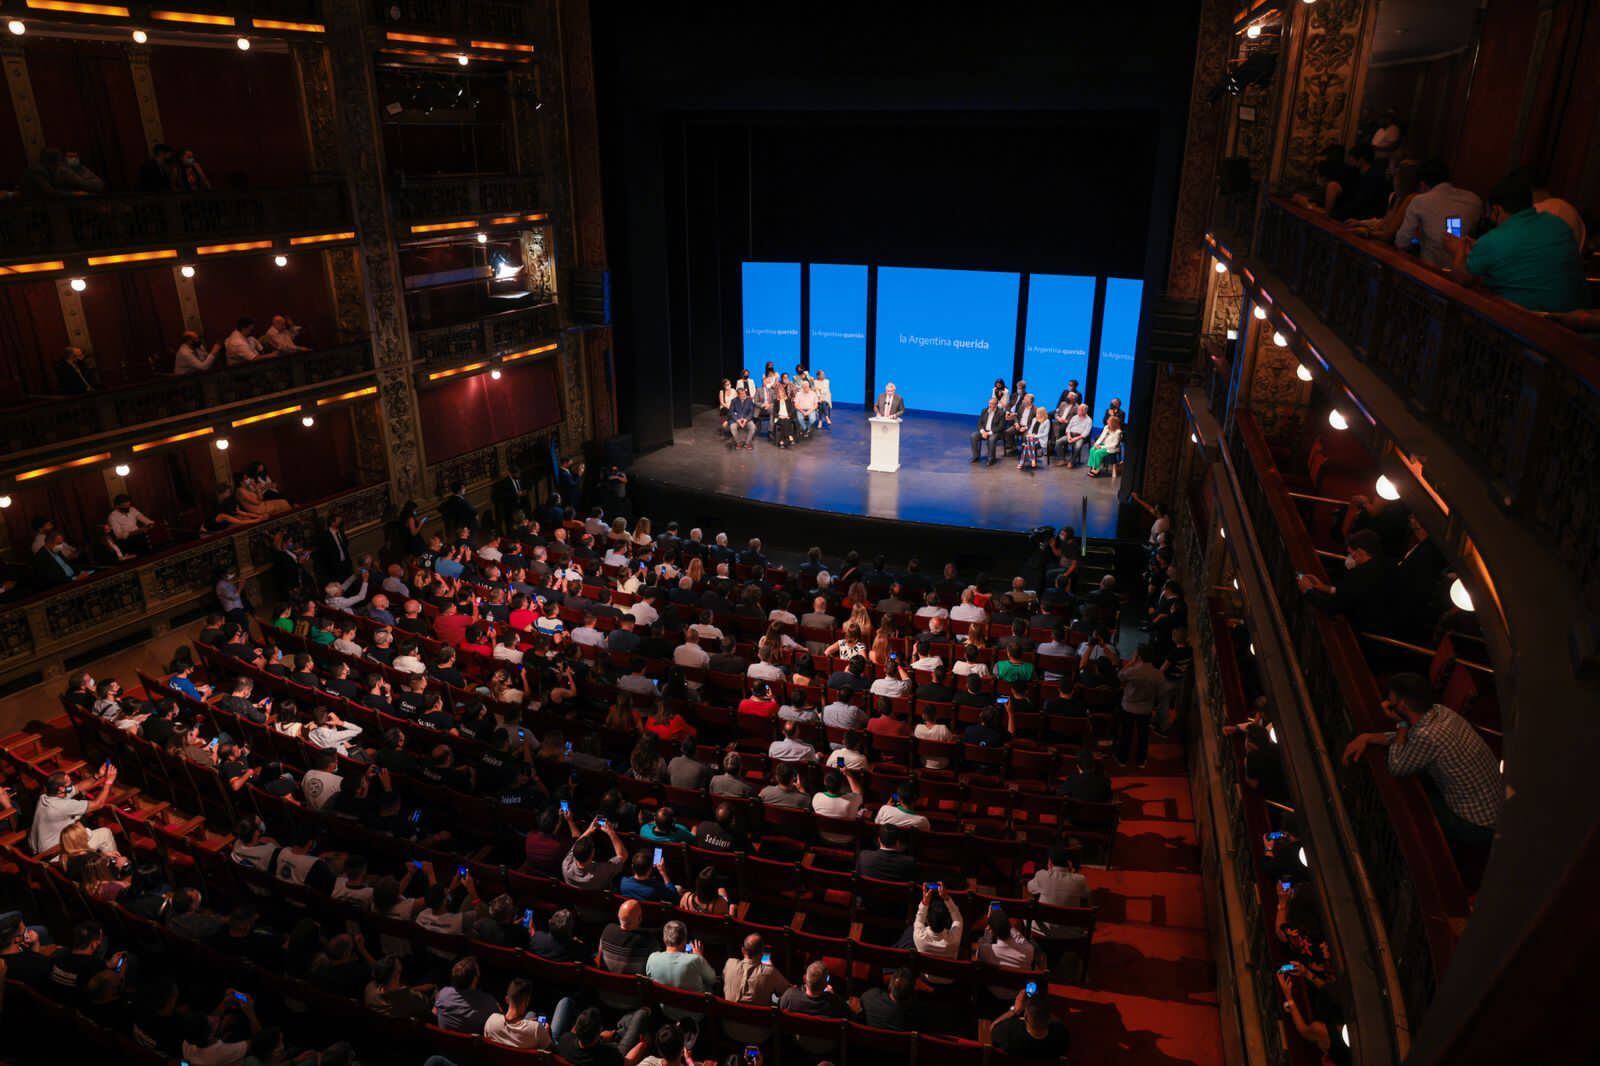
(669, 727)
(760, 702)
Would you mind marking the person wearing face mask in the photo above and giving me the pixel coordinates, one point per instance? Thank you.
(1364, 591)
(1530, 258)
(129, 526)
(193, 357)
(189, 175)
(61, 806)
(74, 176)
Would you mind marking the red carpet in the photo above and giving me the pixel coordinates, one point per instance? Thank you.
(1150, 995)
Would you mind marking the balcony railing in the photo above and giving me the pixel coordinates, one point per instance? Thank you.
(1513, 392)
(42, 425)
(484, 338)
(1407, 858)
(455, 197)
(505, 19)
(83, 614)
(30, 229)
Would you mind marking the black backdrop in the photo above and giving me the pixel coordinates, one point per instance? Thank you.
(1042, 140)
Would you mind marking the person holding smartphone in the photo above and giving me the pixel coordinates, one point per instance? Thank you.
(1428, 217)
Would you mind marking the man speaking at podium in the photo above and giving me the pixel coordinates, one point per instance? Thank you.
(890, 404)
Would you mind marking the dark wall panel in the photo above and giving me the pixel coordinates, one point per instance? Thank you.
(463, 416)
(239, 111)
(84, 92)
(251, 285)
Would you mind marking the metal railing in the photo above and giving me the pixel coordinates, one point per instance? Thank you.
(417, 198)
(507, 19)
(487, 337)
(30, 229)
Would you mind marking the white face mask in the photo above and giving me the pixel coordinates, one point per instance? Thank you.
(1350, 562)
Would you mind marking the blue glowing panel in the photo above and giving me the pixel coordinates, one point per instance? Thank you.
(771, 316)
(943, 336)
(1056, 345)
(1119, 337)
(839, 328)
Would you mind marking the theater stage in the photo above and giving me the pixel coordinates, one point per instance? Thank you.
(937, 484)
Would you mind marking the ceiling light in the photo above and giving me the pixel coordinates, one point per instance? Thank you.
(140, 37)
(308, 421)
(1236, 584)
(483, 238)
(1303, 372)
(17, 26)
(1303, 861)
(1223, 533)
(1221, 267)
(1386, 489)
(1252, 647)
(1260, 313)
(462, 59)
(280, 260)
(1233, 334)
(5, 501)
(495, 373)
(1272, 733)
(1337, 420)
(1460, 596)
(78, 284)
(1253, 31)
(1344, 1030)
(243, 43)
(1194, 438)
(187, 270)
(1279, 339)
(122, 469)
(222, 444)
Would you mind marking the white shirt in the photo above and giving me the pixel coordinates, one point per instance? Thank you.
(927, 662)
(962, 668)
(1080, 426)
(932, 610)
(279, 340)
(968, 612)
(319, 787)
(253, 856)
(691, 655)
(189, 361)
(490, 553)
(525, 1032)
(786, 617)
(791, 750)
(889, 814)
(845, 806)
(294, 866)
(702, 630)
(241, 349)
(53, 814)
(507, 654)
(763, 671)
(361, 895)
(1425, 217)
(937, 731)
(890, 686)
(588, 635)
(409, 664)
(126, 525)
(338, 739)
(643, 613)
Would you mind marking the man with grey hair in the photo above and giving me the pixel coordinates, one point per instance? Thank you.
(682, 965)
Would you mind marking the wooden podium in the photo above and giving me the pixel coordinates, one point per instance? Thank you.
(885, 445)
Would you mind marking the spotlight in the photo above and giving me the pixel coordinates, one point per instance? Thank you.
(1260, 313)
(187, 270)
(1272, 733)
(5, 501)
(308, 421)
(1344, 1030)
(243, 43)
(483, 238)
(17, 26)
(1233, 334)
(280, 260)
(1236, 584)
(1385, 489)
(495, 374)
(1223, 533)
(1194, 438)
(1337, 420)
(140, 37)
(1302, 857)
(1253, 31)
(122, 469)
(1460, 596)
(1279, 339)
(1303, 372)
(222, 444)
(78, 284)
(1221, 267)
(1252, 647)
(462, 59)
(504, 270)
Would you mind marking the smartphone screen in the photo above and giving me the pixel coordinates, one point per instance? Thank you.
(566, 808)
(527, 916)
(1452, 225)
(766, 958)
(1032, 989)
(657, 860)
(1287, 967)
(461, 871)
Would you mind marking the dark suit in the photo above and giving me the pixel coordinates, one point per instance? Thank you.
(1366, 596)
(881, 865)
(50, 569)
(457, 512)
(992, 421)
(509, 494)
(332, 555)
(75, 379)
(889, 406)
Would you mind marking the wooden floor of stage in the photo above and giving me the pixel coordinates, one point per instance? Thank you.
(937, 482)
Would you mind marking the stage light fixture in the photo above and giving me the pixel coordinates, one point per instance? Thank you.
(1279, 339)
(280, 260)
(121, 469)
(1253, 30)
(1337, 420)
(495, 374)
(1221, 532)
(1194, 438)
(5, 501)
(1236, 584)
(1221, 267)
(1303, 372)
(243, 43)
(140, 37)
(222, 444)
(1386, 489)
(1344, 1034)
(308, 421)
(1260, 313)
(187, 270)
(482, 238)
(1272, 733)
(1460, 596)
(462, 59)
(17, 26)
(1233, 334)
(78, 284)
(1303, 860)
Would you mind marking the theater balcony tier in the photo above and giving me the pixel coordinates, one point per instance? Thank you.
(34, 230)
(512, 19)
(506, 336)
(461, 197)
(171, 404)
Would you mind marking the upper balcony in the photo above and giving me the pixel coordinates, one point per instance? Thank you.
(429, 199)
(509, 19)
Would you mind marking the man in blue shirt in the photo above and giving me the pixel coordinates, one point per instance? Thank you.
(742, 418)
(1529, 258)
(646, 882)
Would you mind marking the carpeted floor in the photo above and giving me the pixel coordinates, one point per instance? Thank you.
(1150, 995)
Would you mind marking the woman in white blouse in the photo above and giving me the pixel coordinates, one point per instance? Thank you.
(1105, 446)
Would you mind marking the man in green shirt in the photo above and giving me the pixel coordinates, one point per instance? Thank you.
(1014, 670)
(1529, 258)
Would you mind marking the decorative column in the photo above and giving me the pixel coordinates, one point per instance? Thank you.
(72, 315)
(22, 101)
(1324, 70)
(360, 150)
(343, 265)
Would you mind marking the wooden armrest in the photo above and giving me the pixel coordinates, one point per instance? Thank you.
(182, 827)
(12, 839)
(984, 1027)
(856, 930)
(14, 741)
(798, 923)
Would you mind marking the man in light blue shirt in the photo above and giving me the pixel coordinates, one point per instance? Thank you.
(1438, 200)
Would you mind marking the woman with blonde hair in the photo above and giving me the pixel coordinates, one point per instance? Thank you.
(695, 571)
(74, 849)
(641, 532)
(1035, 441)
(503, 690)
(100, 880)
(1105, 447)
(251, 501)
(863, 620)
(848, 646)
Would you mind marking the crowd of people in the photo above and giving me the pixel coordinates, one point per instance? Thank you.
(60, 173)
(790, 407)
(77, 372)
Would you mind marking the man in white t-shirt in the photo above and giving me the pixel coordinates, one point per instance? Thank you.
(1059, 884)
(968, 610)
(900, 811)
(351, 885)
(690, 653)
(60, 807)
(251, 848)
(588, 633)
(516, 1026)
(320, 784)
(840, 798)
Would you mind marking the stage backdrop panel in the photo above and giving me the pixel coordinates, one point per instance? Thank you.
(1119, 337)
(839, 328)
(771, 316)
(943, 336)
(1056, 345)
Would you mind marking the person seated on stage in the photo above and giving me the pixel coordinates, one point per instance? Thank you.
(890, 403)
(824, 399)
(783, 419)
(1106, 445)
(991, 423)
(742, 418)
(1035, 442)
(805, 406)
(725, 396)
(1018, 418)
(1073, 440)
(1114, 408)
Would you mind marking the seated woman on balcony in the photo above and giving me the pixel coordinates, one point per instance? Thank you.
(253, 500)
(1105, 446)
(227, 512)
(1406, 187)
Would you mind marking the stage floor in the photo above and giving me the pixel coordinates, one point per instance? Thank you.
(937, 481)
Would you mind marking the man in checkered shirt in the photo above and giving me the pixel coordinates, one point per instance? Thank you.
(1430, 738)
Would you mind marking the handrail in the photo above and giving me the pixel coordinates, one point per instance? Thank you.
(438, 196)
(489, 335)
(1408, 860)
